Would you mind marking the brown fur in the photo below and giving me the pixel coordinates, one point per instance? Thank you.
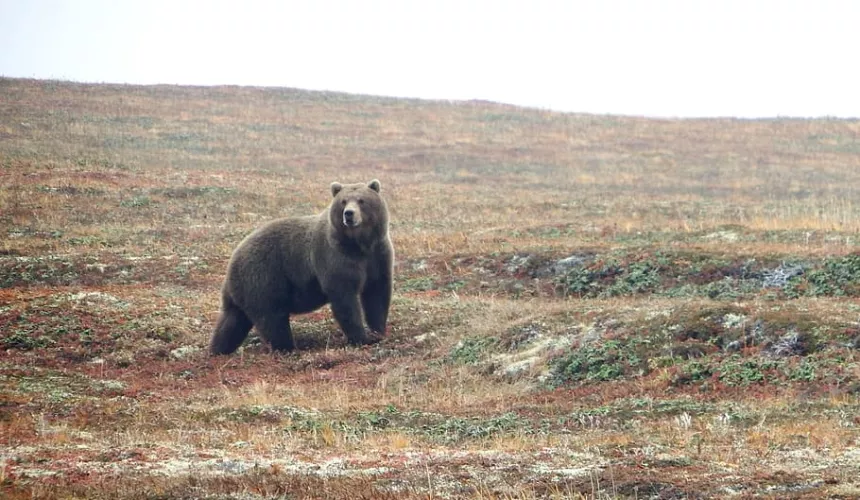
(297, 265)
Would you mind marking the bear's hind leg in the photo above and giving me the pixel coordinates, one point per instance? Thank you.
(275, 328)
(232, 328)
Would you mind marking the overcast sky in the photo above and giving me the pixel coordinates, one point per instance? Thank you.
(748, 58)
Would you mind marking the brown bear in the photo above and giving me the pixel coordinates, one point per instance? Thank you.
(342, 257)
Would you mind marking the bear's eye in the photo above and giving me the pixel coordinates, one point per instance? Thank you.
(343, 202)
(360, 201)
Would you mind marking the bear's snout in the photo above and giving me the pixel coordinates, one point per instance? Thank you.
(351, 216)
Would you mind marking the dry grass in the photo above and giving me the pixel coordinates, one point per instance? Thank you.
(659, 367)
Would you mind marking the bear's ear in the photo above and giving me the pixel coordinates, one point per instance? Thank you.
(335, 188)
(374, 185)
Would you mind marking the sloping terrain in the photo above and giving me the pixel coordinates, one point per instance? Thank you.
(585, 306)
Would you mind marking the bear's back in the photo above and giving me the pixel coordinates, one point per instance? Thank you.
(273, 256)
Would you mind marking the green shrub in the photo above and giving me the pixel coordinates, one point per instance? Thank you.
(471, 350)
(597, 362)
(839, 276)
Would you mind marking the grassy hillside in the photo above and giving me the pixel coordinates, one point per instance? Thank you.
(585, 306)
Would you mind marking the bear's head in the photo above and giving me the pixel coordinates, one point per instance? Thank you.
(358, 211)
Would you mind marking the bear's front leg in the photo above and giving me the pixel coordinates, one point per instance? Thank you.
(376, 300)
(347, 311)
